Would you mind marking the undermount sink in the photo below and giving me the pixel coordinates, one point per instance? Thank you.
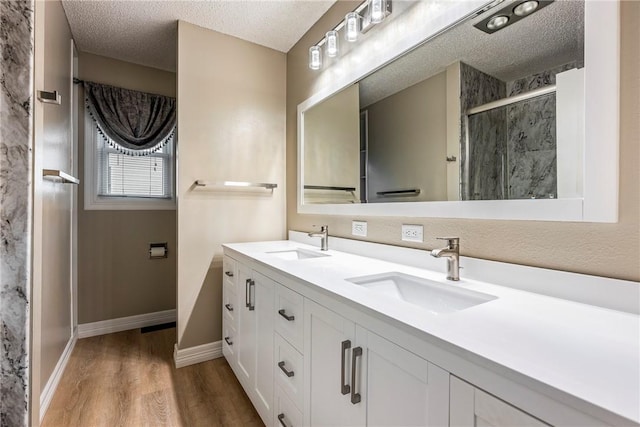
(433, 296)
(293, 254)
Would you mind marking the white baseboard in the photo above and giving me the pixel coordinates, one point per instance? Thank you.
(110, 326)
(52, 384)
(197, 354)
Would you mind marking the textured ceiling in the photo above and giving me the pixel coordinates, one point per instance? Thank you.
(144, 32)
(550, 37)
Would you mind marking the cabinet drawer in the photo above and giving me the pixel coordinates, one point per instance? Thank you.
(285, 413)
(229, 337)
(229, 272)
(289, 315)
(229, 304)
(289, 370)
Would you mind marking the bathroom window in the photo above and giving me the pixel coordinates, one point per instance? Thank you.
(120, 181)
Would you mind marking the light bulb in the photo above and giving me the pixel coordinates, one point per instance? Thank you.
(331, 43)
(352, 26)
(315, 58)
(523, 9)
(377, 9)
(497, 22)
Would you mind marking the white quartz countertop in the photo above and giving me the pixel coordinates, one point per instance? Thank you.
(588, 352)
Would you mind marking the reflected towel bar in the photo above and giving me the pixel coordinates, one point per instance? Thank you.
(323, 187)
(269, 186)
(511, 100)
(59, 175)
(398, 193)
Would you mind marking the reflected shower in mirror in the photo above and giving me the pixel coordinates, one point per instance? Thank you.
(465, 116)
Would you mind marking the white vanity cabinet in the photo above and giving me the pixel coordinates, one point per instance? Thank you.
(472, 407)
(358, 378)
(254, 342)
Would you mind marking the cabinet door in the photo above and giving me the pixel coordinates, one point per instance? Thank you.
(262, 300)
(328, 342)
(398, 387)
(472, 407)
(246, 323)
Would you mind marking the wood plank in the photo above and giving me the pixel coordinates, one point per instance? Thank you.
(129, 379)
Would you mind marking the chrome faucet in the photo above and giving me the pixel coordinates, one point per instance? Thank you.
(452, 254)
(324, 235)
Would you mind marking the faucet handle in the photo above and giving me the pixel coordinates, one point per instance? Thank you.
(323, 228)
(451, 241)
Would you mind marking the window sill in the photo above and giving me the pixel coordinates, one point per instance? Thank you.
(128, 204)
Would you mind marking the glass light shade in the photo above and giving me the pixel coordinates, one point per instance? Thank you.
(315, 57)
(377, 10)
(351, 26)
(497, 22)
(523, 9)
(331, 43)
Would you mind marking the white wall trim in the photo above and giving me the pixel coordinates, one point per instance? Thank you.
(52, 384)
(197, 354)
(103, 327)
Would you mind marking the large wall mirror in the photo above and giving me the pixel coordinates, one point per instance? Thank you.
(473, 123)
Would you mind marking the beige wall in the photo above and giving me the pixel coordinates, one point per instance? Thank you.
(53, 149)
(332, 147)
(611, 250)
(231, 122)
(116, 278)
(408, 142)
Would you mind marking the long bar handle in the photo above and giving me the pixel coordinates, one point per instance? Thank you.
(283, 369)
(228, 273)
(355, 397)
(344, 388)
(252, 285)
(283, 313)
(228, 340)
(246, 293)
(228, 307)
(281, 419)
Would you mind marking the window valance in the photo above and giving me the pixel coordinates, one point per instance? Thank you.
(133, 122)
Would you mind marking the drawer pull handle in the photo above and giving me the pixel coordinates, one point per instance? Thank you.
(355, 397)
(252, 305)
(344, 388)
(228, 341)
(283, 369)
(284, 314)
(281, 419)
(246, 293)
(228, 307)
(228, 273)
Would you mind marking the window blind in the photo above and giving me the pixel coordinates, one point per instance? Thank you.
(122, 175)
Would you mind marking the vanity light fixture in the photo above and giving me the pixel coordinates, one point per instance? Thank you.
(377, 10)
(361, 20)
(331, 45)
(315, 57)
(352, 26)
(511, 14)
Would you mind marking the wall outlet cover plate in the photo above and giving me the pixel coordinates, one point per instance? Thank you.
(359, 228)
(412, 233)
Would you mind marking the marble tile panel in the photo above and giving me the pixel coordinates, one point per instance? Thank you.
(16, 97)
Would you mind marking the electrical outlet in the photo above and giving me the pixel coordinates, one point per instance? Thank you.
(359, 228)
(412, 233)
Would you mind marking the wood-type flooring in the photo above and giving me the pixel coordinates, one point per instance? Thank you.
(129, 379)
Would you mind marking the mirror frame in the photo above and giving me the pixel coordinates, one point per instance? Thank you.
(602, 107)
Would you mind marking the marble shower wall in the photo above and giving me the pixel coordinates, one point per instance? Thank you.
(16, 129)
(487, 136)
(531, 130)
(512, 151)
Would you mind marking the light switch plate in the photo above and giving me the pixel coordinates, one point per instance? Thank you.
(412, 233)
(359, 228)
